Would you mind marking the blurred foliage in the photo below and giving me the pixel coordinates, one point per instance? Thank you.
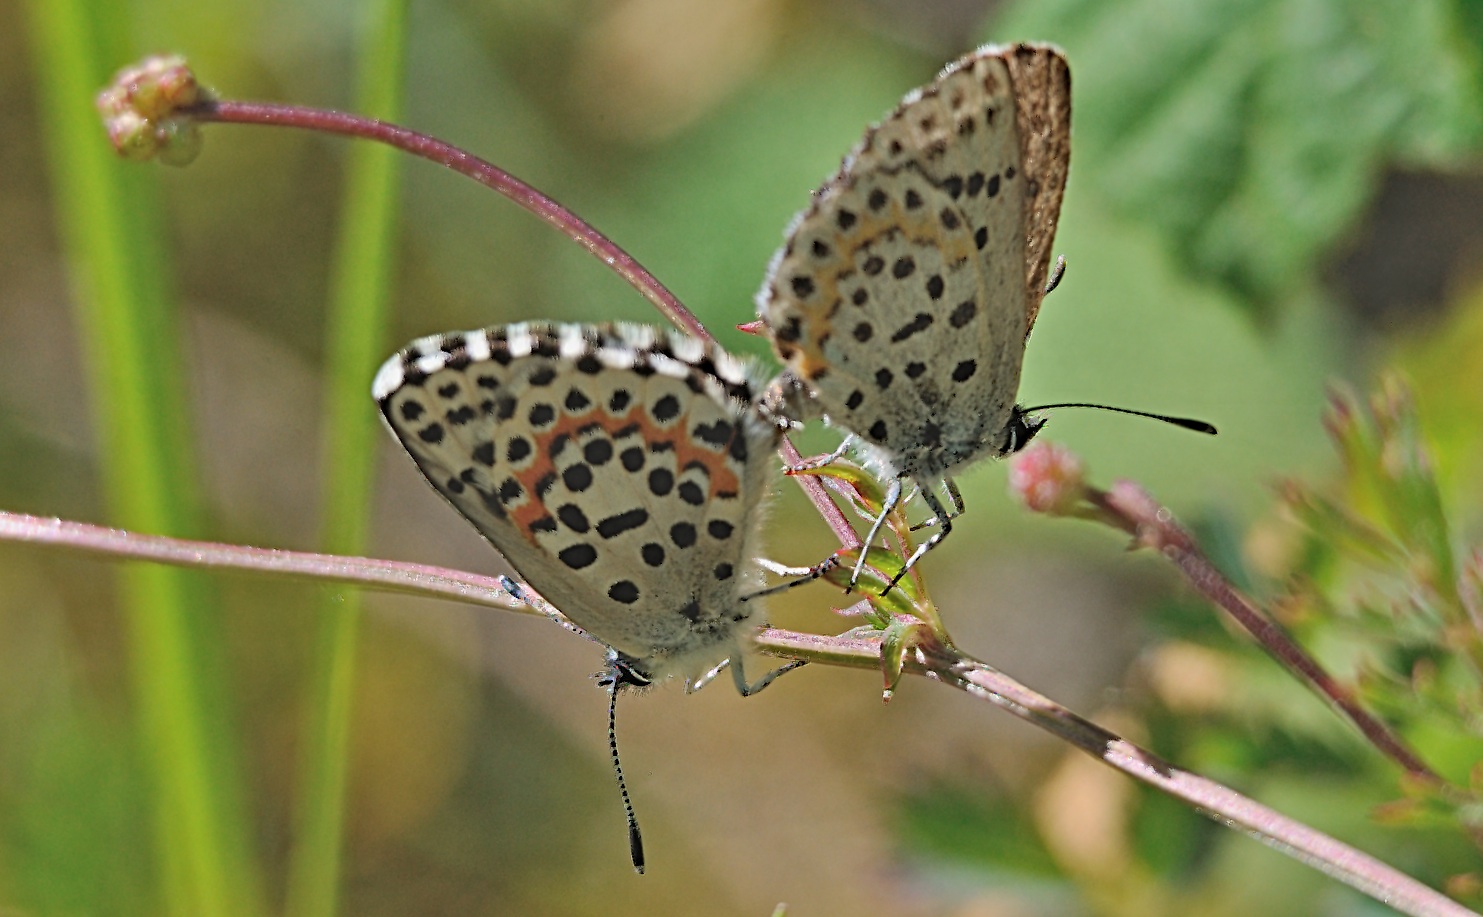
(1373, 572)
(1370, 570)
(1251, 135)
(1226, 155)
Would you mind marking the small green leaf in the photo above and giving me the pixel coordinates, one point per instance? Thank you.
(899, 637)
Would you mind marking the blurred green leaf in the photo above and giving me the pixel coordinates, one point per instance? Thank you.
(360, 297)
(125, 313)
(974, 827)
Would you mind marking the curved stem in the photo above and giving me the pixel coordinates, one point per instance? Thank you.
(491, 176)
(464, 163)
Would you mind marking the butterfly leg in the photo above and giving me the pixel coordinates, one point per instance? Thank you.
(955, 505)
(739, 677)
(824, 461)
(888, 505)
(956, 496)
(1056, 273)
(800, 576)
(947, 526)
(523, 593)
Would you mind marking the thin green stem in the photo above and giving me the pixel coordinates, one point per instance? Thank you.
(355, 333)
(125, 317)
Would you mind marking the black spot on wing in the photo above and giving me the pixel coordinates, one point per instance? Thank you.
(619, 523)
(624, 591)
(573, 518)
(920, 322)
(578, 556)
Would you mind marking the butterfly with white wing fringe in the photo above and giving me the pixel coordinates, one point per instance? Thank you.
(619, 469)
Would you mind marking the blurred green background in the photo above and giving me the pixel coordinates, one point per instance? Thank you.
(1264, 196)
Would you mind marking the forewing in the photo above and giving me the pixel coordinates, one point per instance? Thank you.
(900, 293)
(617, 469)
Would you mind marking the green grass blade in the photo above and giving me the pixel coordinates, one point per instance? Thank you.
(125, 317)
(360, 292)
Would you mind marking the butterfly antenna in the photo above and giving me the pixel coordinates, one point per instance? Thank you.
(1188, 423)
(635, 837)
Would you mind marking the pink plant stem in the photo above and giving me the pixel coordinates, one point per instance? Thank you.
(386, 575)
(481, 171)
(1132, 509)
(1313, 848)
(940, 663)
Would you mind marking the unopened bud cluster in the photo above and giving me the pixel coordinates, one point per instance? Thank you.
(144, 110)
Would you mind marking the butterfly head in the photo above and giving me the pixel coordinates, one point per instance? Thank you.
(1020, 429)
(623, 672)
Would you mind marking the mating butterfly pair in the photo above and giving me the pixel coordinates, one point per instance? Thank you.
(620, 470)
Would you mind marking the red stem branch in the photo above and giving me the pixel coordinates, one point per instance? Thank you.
(941, 663)
(1133, 510)
(464, 163)
(946, 664)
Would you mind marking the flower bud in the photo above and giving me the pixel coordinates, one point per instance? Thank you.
(1047, 478)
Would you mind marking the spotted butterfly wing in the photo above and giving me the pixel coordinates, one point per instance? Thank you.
(617, 468)
(904, 293)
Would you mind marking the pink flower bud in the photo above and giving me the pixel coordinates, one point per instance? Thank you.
(1047, 477)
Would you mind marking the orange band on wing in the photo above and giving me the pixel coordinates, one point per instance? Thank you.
(715, 460)
(818, 320)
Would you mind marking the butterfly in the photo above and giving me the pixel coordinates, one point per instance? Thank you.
(903, 295)
(619, 469)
